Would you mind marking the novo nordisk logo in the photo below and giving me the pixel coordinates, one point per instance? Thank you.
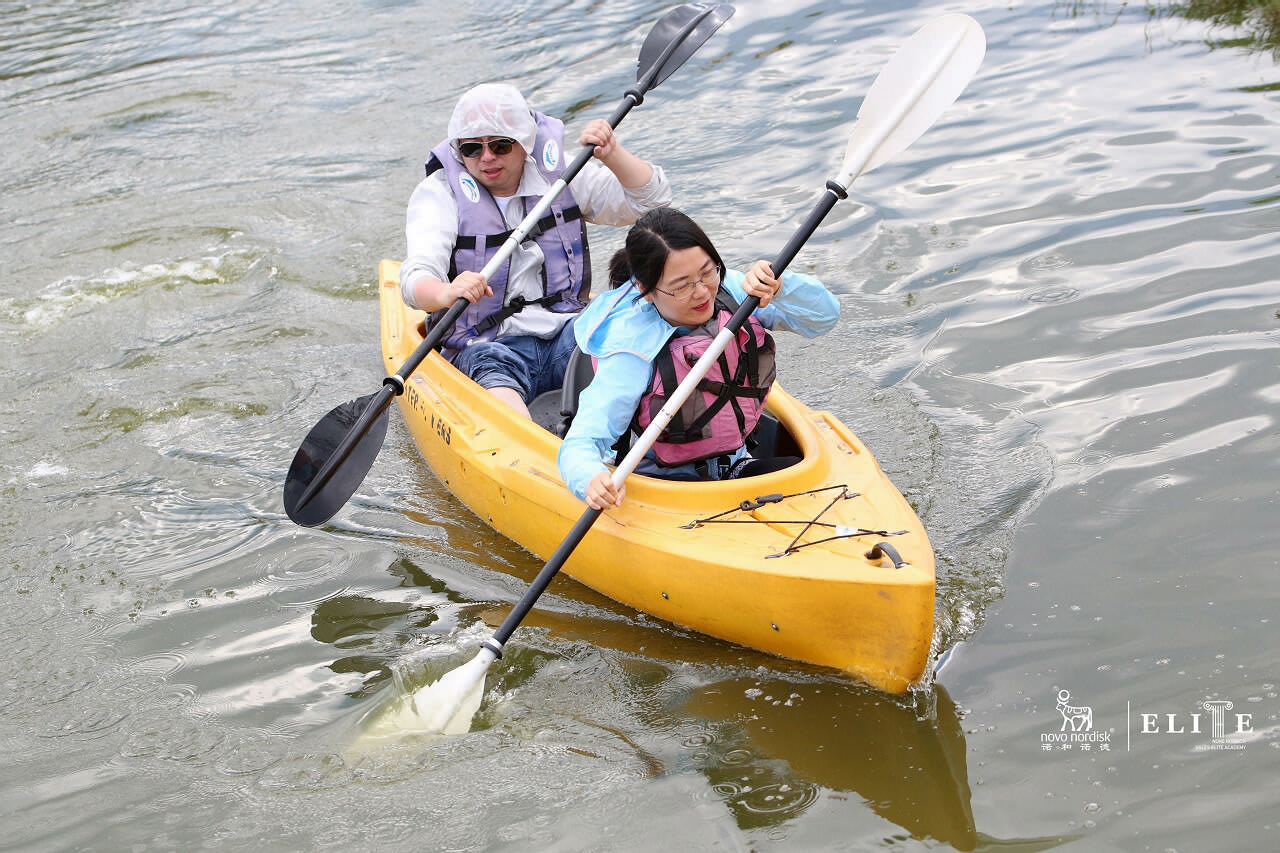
(1225, 730)
(1076, 731)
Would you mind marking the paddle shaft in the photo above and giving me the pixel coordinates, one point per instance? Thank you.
(649, 436)
(879, 137)
(870, 144)
(394, 385)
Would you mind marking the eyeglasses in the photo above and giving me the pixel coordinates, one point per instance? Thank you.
(685, 291)
(499, 147)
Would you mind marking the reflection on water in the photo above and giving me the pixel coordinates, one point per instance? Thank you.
(911, 771)
(371, 633)
(393, 636)
(906, 762)
(751, 736)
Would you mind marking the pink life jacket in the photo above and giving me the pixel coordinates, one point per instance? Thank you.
(728, 402)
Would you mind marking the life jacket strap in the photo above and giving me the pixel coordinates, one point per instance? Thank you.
(515, 306)
(470, 242)
(726, 393)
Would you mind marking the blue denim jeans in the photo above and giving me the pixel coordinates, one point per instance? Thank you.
(527, 364)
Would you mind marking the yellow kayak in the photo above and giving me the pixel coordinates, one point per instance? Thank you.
(823, 562)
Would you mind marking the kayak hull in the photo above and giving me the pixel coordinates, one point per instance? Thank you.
(757, 575)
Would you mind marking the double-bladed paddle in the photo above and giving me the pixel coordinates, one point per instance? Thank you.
(927, 73)
(339, 451)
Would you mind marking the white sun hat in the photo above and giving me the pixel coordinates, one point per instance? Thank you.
(494, 109)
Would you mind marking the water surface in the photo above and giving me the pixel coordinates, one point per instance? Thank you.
(1059, 332)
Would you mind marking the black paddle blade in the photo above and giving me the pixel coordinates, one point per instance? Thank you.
(319, 445)
(677, 36)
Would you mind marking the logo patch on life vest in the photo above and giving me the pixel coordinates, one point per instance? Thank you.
(469, 188)
(550, 155)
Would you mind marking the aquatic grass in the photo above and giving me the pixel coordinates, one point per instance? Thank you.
(1261, 18)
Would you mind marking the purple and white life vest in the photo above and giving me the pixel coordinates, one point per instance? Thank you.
(728, 402)
(561, 234)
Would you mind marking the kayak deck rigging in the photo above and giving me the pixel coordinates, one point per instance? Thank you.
(842, 531)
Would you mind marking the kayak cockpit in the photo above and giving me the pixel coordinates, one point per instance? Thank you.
(554, 411)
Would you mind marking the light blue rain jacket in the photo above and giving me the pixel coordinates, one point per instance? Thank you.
(624, 331)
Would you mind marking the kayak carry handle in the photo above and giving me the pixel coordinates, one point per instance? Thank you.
(881, 549)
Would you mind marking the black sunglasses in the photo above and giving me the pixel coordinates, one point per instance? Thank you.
(499, 147)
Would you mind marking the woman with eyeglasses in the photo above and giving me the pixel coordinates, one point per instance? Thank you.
(672, 294)
(499, 160)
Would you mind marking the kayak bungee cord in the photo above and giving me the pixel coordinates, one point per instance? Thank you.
(842, 531)
(762, 500)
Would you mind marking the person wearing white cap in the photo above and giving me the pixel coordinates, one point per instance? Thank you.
(499, 159)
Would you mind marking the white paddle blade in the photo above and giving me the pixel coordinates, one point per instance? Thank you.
(915, 87)
(445, 706)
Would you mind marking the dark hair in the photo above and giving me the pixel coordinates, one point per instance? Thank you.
(654, 236)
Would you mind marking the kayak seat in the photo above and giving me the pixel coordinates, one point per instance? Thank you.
(771, 440)
(554, 410)
(577, 375)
